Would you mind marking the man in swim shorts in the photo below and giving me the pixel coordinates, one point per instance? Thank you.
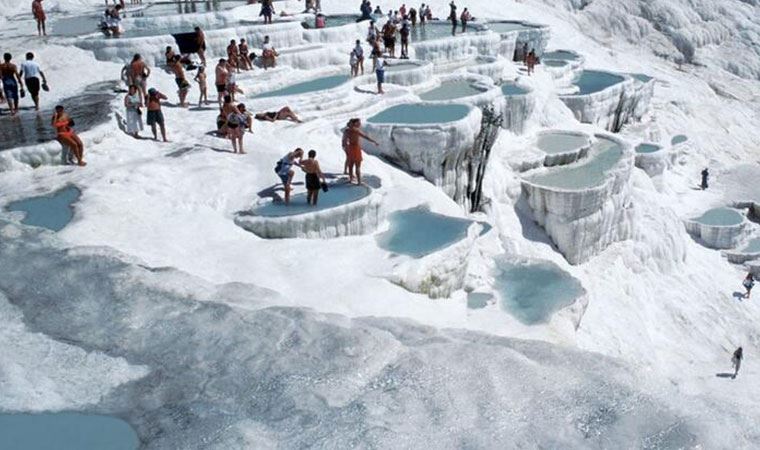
(11, 82)
(31, 73)
(140, 72)
(179, 77)
(220, 80)
(155, 115)
(314, 178)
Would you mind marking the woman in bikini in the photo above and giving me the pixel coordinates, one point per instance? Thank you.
(283, 114)
(353, 137)
(65, 134)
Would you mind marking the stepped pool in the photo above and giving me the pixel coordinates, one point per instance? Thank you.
(339, 194)
(332, 21)
(592, 81)
(65, 431)
(720, 217)
(401, 66)
(53, 211)
(679, 139)
(436, 30)
(753, 246)
(510, 26)
(451, 90)
(418, 232)
(510, 89)
(642, 77)
(88, 110)
(418, 114)
(604, 155)
(554, 142)
(554, 63)
(532, 292)
(644, 148)
(316, 85)
(561, 55)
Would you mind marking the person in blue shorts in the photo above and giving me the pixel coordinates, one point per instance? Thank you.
(11, 82)
(284, 170)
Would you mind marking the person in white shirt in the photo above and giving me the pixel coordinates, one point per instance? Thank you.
(32, 73)
(380, 73)
(359, 52)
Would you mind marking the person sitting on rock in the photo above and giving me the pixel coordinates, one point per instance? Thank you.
(268, 54)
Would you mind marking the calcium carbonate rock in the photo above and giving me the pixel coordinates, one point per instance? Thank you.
(307, 57)
(586, 206)
(439, 151)
(282, 35)
(718, 228)
(344, 34)
(607, 99)
(460, 47)
(642, 96)
(652, 159)
(360, 216)
(517, 36)
(518, 106)
(490, 66)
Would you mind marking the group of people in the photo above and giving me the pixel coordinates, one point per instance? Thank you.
(14, 79)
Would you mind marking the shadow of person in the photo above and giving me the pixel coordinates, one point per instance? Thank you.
(738, 295)
(725, 375)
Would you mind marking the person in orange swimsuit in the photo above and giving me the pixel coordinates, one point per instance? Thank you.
(352, 142)
(65, 134)
(39, 15)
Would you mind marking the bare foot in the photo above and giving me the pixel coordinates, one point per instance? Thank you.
(81, 163)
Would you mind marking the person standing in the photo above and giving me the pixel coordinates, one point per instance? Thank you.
(267, 10)
(39, 15)
(531, 61)
(453, 17)
(200, 41)
(12, 82)
(140, 73)
(413, 17)
(705, 177)
(314, 178)
(465, 17)
(133, 103)
(236, 129)
(220, 80)
(353, 137)
(66, 135)
(31, 73)
(245, 60)
(233, 57)
(284, 169)
(200, 78)
(423, 15)
(404, 32)
(155, 115)
(736, 361)
(380, 74)
(359, 52)
(179, 77)
(748, 283)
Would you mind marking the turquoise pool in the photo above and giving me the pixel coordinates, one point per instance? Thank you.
(648, 148)
(508, 27)
(400, 66)
(434, 30)
(678, 139)
(720, 217)
(561, 55)
(592, 81)
(753, 246)
(603, 156)
(644, 78)
(319, 84)
(554, 142)
(339, 194)
(331, 21)
(451, 90)
(65, 431)
(417, 232)
(53, 211)
(418, 114)
(511, 89)
(554, 63)
(532, 292)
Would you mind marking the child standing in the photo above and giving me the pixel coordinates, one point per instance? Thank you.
(200, 78)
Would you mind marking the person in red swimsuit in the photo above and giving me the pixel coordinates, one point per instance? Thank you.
(39, 15)
(66, 135)
(352, 143)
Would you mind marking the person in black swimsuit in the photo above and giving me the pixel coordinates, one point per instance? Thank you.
(283, 114)
(315, 179)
